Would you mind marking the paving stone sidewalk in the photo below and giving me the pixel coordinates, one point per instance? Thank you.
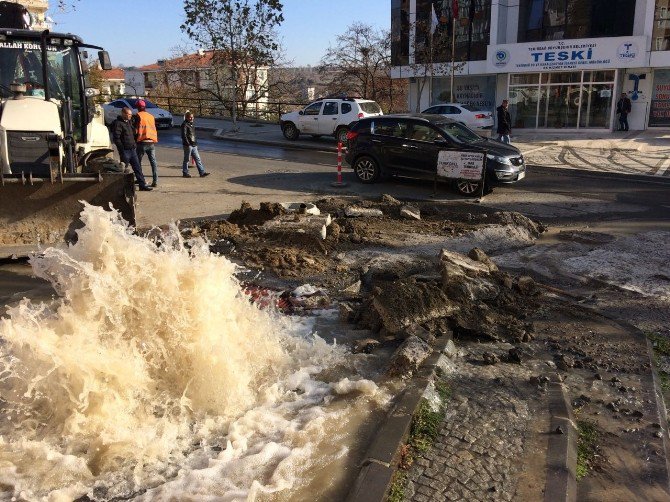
(482, 439)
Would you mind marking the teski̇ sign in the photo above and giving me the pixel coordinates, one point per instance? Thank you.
(560, 55)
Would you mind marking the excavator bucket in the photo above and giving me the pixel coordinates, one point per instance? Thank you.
(42, 211)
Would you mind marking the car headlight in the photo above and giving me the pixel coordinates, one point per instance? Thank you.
(500, 160)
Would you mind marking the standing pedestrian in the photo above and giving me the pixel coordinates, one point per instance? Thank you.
(146, 137)
(190, 146)
(504, 122)
(124, 139)
(623, 108)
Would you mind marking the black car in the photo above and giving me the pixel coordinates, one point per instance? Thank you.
(409, 145)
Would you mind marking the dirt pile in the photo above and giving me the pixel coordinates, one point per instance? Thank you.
(469, 298)
(370, 262)
(248, 238)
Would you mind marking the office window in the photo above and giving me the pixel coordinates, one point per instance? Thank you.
(472, 22)
(400, 32)
(567, 19)
(661, 33)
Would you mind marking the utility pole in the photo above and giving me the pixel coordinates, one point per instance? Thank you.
(454, 15)
(453, 56)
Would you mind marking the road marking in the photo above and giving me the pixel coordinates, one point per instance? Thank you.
(662, 168)
(535, 149)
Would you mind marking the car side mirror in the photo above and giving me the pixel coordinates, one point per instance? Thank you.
(301, 112)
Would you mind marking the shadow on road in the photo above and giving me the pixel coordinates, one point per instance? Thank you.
(310, 183)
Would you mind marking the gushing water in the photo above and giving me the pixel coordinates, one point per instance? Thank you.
(152, 375)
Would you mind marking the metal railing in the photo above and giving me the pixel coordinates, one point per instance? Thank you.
(210, 108)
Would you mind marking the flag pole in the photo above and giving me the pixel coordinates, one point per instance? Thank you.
(453, 54)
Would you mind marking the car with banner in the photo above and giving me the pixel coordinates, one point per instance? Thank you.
(410, 145)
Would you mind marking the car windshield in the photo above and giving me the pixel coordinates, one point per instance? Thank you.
(370, 107)
(133, 103)
(459, 132)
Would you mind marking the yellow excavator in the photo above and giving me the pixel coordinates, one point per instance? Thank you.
(55, 150)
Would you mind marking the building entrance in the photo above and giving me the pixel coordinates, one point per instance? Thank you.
(572, 100)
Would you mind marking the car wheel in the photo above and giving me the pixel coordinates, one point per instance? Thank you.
(290, 131)
(366, 170)
(468, 188)
(341, 135)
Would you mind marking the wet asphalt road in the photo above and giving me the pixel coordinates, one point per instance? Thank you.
(558, 195)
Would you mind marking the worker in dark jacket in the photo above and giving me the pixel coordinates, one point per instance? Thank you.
(504, 122)
(123, 136)
(623, 108)
(190, 147)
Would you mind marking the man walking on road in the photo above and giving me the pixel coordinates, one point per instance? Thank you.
(190, 147)
(147, 137)
(504, 122)
(623, 108)
(123, 136)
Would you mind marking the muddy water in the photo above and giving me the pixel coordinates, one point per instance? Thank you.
(151, 376)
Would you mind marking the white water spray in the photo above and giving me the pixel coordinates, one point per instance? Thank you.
(153, 374)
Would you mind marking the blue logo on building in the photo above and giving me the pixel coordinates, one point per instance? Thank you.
(501, 58)
(627, 51)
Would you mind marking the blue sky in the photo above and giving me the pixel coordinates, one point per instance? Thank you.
(138, 32)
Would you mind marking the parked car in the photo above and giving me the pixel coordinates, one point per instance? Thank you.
(409, 144)
(471, 116)
(113, 110)
(327, 117)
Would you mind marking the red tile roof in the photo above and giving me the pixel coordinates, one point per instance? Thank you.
(186, 62)
(113, 74)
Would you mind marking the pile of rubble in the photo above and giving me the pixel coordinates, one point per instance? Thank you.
(399, 296)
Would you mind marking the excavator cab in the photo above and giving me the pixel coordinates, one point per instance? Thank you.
(55, 150)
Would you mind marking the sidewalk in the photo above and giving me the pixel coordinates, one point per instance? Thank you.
(634, 152)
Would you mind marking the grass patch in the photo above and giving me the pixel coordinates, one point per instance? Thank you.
(426, 421)
(425, 426)
(587, 446)
(398, 485)
(423, 432)
(443, 390)
(661, 348)
(661, 344)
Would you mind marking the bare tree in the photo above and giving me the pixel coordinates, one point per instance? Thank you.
(241, 38)
(432, 49)
(359, 63)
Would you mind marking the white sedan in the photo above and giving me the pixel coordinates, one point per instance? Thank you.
(113, 110)
(471, 116)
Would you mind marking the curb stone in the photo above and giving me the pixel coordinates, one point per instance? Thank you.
(375, 475)
(662, 410)
(561, 482)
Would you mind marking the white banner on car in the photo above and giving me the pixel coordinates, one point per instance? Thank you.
(460, 165)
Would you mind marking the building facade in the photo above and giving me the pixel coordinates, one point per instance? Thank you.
(561, 63)
(194, 73)
(38, 10)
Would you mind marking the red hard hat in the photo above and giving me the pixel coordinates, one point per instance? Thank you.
(141, 104)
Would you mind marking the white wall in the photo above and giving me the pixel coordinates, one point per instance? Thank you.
(637, 120)
(134, 82)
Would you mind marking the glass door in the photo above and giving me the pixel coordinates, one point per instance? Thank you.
(596, 105)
